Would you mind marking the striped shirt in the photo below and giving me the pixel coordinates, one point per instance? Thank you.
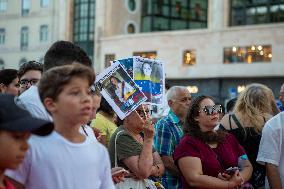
(168, 133)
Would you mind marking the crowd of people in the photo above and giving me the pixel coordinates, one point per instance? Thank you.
(56, 131)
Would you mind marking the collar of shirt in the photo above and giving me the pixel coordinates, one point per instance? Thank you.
(174, 117)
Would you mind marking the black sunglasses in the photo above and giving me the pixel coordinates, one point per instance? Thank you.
(26, 81)
(147, 112)
(209, 110)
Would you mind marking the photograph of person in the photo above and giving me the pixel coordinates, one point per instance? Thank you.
(148, 75)
(121, 88)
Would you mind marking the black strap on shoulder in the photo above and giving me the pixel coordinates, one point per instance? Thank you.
(230, 121)
(236, 121)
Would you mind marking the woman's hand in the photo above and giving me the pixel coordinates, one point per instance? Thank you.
(224, 176)
(118, 174)
(155, 171)
(236, 180)
(148, 129)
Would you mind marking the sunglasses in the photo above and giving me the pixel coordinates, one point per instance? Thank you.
(147, 112)
(209, 110)
(26, 81)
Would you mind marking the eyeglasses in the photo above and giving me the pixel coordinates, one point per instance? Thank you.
(142, 114)
(26, 81)
(209, 110)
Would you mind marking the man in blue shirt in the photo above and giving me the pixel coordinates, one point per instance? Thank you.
(169, 131)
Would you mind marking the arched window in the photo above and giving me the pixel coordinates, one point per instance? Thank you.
(132, 5)
(130, 28)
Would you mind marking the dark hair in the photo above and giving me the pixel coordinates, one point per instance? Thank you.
(53, 81)
(65, 52)
(105, 107)
(30, 65)
(7, 76)
(231, 104)
(142, 68)
(118, 80)
(191, 126)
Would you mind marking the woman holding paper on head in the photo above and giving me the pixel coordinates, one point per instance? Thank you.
(134, 151)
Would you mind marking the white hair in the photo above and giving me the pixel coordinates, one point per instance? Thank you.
(173, 92)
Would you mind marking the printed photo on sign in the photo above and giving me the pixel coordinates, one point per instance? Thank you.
(150, 77)
(119, 89)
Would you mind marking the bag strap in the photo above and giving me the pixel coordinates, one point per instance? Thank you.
(230, 116)
(237, 121)
(115, 152)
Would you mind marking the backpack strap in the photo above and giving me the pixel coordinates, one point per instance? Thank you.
(239, 125)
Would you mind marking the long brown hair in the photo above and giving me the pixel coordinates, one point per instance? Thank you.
(191, 126)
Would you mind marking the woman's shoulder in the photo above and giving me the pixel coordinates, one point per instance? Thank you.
(189, 140)
(225, 121)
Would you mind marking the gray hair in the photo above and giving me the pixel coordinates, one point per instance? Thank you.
(173, 92)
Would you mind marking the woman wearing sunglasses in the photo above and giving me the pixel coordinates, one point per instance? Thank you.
(254, 106)
(204, 155)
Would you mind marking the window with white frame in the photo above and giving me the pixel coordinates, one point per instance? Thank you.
(44, 3)
(26, 4)
(43, 33)
(3, 5)
(2, 36)
(24, 38)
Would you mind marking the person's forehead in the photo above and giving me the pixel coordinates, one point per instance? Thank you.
(207, 102)
(183, 93)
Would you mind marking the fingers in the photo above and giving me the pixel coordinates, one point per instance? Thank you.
(224, 176)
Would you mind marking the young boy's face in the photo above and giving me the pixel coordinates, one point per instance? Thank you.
(13, 147)
(74, 104)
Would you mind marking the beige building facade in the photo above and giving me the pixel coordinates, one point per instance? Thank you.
(29, 28)
(218, 54)
(211, 72)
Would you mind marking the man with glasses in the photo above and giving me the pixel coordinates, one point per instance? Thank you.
(169, 131)
(29, 74)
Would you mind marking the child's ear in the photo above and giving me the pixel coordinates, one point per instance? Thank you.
(49, 104)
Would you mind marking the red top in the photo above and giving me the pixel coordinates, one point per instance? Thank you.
(8, 185)
(213, 160)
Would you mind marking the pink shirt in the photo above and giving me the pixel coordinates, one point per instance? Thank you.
(214, 160)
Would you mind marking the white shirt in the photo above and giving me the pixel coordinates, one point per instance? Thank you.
(54, 162)
(30, 100)
(271, 148)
